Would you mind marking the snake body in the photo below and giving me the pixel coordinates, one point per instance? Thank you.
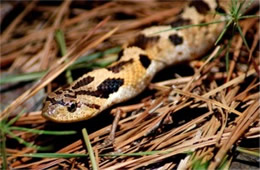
(152, 50)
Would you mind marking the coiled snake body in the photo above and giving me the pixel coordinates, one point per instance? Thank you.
(152, 50)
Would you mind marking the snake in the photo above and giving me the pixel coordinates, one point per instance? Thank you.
(152, 50)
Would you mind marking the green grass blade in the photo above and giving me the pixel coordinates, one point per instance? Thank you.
(28, 144)
(98, 64)
(198, 25)
(13, 120)
(72, 155)
(59, 35)
(61, 41)
(242, 36)
(227, 55)
(25, 77)
(249, 152)
(43, 132)
(54, 155)
(90, 149)
(223, 32)
(112, 50)
(199, 165)
(88, 58)
(227, 61)
(249, 16)
(232, 7)
(239, 8)
(225, 164)
(135, 154)
(69, 76)
(3, 148)
(192, 25)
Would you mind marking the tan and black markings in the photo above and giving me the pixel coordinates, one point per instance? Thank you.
(180, 22)
(54, 101)
(175, 39)
(152, 50)
(120, 65)
(120, 54)
(201, 6)
(83, 82)
(144, 42)
(72, 105)
(145, 60)
(104, 89)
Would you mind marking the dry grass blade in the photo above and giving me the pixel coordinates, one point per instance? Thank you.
(213, 102)
(234, 81)
(7, 33)
(50, 38)
(249, 116)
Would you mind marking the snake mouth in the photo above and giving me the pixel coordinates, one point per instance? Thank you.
(49, 112)
(46, 116)
(53, 118)
(60, 114)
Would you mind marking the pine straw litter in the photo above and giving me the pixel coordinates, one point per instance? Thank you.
(199, 120)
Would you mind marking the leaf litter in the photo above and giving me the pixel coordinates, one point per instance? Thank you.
(199, 120)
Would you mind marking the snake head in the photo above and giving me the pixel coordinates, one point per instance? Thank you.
(59, 108)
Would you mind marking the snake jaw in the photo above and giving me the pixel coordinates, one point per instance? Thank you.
(52, 112)
(67, 112)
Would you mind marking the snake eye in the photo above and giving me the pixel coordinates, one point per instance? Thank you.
(72, 107)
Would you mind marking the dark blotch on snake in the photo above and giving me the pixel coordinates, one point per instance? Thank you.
(201, 6)
(104, 89)
(180, 22)
(175, 39)
(144, 42)
(83, 82)
(58, 92)
(120, 55)
(119, 66)
(145, 60)
(109, 86)
(219, 8)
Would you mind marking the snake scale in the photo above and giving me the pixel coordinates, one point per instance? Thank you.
(153, 49)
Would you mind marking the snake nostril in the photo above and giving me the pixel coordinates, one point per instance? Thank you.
(72, 107)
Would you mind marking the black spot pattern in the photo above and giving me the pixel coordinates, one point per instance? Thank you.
(120, 54)
(201, 6)
(143, 42)
(145, 60)
(58, 92)
(219, 8)
(105, 88)
(109, 86)
(70, 95)
(83, 82)
(180, 22)
(119, 66)
(175, 39)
